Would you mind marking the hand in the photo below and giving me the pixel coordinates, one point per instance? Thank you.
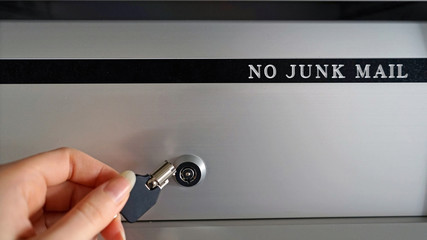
(62, 194)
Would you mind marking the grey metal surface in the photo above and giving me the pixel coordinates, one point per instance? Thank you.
(319, 229)
(207, 39)
(293, 150)
(289, 150)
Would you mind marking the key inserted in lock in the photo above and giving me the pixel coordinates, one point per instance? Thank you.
(146, 192)
(189, 171)
(160, 177)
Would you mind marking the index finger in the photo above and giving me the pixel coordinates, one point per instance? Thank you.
(67, 164)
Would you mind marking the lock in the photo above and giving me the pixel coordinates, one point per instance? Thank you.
(190, 170)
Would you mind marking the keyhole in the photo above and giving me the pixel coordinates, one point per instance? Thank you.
(188, 175)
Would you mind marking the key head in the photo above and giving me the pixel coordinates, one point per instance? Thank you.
(141, 199)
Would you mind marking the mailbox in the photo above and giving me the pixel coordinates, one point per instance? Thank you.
(305, 120)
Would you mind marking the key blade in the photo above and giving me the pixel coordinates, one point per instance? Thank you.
(141, 199)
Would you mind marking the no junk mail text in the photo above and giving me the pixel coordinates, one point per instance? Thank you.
(326, 71)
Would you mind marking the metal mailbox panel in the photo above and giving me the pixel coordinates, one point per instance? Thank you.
(271, 150)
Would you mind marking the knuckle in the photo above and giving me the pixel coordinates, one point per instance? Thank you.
(65, 150)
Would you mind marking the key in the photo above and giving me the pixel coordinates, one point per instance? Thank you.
(146, 191)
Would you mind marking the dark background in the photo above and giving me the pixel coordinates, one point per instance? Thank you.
(212, 10)
(191, 70)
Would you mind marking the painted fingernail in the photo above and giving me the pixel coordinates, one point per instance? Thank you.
(119, 187)
(123, 235)
(130, 176)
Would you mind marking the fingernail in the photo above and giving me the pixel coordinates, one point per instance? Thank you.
(130, 176)
(119, 187)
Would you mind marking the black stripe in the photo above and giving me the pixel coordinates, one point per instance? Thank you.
(203, 71)
(212, 10)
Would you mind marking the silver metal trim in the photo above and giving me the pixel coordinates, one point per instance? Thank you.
(194, 159)
(160, 177)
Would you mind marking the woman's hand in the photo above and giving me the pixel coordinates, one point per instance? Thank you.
(62, 194)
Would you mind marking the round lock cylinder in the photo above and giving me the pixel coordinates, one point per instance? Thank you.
(190, 170)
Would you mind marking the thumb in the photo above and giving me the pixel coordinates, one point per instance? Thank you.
(95, 211)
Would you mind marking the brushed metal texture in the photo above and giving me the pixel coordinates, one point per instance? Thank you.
(294, 150)
(323, 229)
(210, 39)
(271, 150)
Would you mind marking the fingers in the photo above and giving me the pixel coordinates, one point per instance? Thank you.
(33, 175)
(94, 212)
(64, 164)
(114, 231)
(52, 217)
(64, 196)
(46, 220)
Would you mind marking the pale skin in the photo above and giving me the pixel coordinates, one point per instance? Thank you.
(61, 194)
